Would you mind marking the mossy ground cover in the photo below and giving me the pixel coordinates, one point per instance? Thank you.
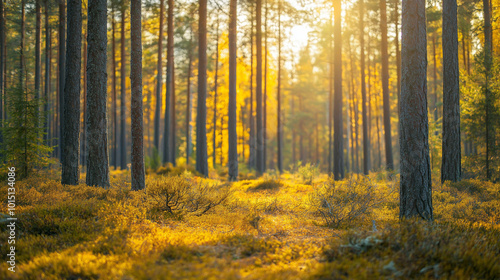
(267, 228)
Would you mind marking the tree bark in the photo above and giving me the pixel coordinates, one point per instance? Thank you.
(114, 120)
(415, 182)
(83, 142)
(169, 107)
(264, 120)
(97, 163)
(38, 56)
(159, 78)
(398, 52)
(62, 67)
(252, 140)
(451, 162)
(279, 123)
(258, 92)
(366, 137)
(71, 117)
(123, 97)
(201, 117)
(188, 105)
(137, 157)
(385, 87)
(48, 47)
(488, 47)
(330, 102)
(232, 160)
(338, 152)
(214, 142)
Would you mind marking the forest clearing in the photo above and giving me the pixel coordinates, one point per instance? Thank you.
(267, 228)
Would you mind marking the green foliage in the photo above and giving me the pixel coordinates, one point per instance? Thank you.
(481, 111)
(23, 146)
(154, 161)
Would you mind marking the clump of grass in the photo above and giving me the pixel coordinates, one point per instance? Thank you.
(415, 249)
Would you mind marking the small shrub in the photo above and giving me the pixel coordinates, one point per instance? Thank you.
(269, 184)
(340, 205)
(178, 195)
(308, 173)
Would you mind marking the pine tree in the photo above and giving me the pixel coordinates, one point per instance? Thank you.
(71, 117)
(232, 161)
(201, 117)
(338, 152)
(138, 176)
(451, 163)
(97, 162)
(23, 145)
(415, 182)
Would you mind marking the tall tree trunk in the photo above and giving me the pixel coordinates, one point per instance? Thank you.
(114, 120)
(330, 101)
(215, 98)
(83, 149)
(232, 160)
(252, 140)
(350, 103)
(97, 162)
(21, 48)
(188, 105)
(279, 122)
(201, 117)
(38, 56)
(221, 140)
(488, 50)
(398, 52)
(385, 86)
(62, 67)
(71, 116)
(258, 92)
(366, 137)
(137, 156)
(264, 120)
(48, 47)
(378, 121)
(173, 124)
(451, 168)
(370, 110)
(159, 78)
(169, 107)
(434, 77)
(415, 182)
(123, 97)
(338, 152)
(302, 157)
(316, 157)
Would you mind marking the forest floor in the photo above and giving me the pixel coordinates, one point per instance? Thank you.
(293, 226)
